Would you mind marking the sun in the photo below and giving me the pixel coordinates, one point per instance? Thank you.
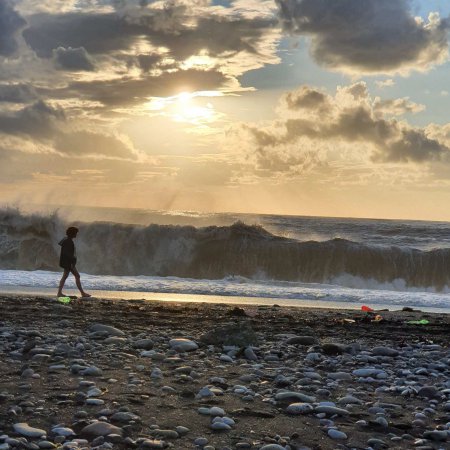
(186, 109)
(192, 108)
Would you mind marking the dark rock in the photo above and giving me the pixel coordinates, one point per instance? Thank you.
(302, 340)
(332, 349)
(240, 334)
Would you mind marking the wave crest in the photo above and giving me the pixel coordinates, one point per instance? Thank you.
(29, 242)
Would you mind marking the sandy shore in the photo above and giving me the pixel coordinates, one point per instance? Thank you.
(135, 374)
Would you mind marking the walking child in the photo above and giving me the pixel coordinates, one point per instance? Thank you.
(67, 261)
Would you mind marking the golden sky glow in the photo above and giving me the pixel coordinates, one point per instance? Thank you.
(217, 105)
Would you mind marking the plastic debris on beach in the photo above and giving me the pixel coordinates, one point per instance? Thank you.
(64, 300)
(419, 322)
(366, 308)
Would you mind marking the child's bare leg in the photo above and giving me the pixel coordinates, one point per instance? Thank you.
(78, 282)
(61, 283)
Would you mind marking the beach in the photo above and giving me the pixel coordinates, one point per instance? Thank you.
(102, 373)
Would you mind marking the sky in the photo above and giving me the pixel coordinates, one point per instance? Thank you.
(302, 107)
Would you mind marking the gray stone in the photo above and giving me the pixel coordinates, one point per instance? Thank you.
(272, 447)
(123, 417)
(250, 354)
(290, 396)
(145, 344)
(429, 392)
(100, 429)
(377, 443)
(331, 410)
(111, 331)
(385, 351)
(339, 376)
(183, 345)
(436, 435)
(336, 434)
(92, 371)
(367, 372)
(45, 445)
(220, 426)
(26, 430)
(299, 408)
(165, 434)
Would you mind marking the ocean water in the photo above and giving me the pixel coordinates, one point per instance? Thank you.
(314, 260)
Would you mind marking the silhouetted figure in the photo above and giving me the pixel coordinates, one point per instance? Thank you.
(68, 259)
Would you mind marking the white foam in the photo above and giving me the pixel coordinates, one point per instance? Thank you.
(232, 286)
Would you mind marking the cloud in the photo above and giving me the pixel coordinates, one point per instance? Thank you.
(45, 129)
(129, 91)
(397, 106)
(10, 24)
(370, 36)
(385, 83)
(17, 93)
(312, 122)
(38, 120)
(72, 59)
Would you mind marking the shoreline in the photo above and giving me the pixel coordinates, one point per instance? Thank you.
(272, 378)
(217, 299)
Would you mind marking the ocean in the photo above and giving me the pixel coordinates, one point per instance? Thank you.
(243, 258)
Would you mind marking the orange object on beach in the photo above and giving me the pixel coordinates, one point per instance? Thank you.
(366, 308)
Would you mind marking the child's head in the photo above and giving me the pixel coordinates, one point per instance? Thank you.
(72, 232)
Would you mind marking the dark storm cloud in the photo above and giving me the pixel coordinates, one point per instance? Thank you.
(97, 33)
(38, 120)
(131, 91)
(352, 118)
(368, 36)
(105, 33)
(10, 24)
(17, 93)
(41, 123)
(72, 59)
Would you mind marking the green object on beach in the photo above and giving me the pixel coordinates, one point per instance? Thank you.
(64, 300)
(419, 322)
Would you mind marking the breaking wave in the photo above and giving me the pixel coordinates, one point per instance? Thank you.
(29, 242)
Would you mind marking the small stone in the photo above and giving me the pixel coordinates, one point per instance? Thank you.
(220, 426)
(26, 430)
(272, 447)
(436, 435)
(183, 345)
(200, 441)
(336, 434)
(92, 371)
(63, 431)
(44, 445)
(145, 344)
(100, 429)
(299, 408)
(428, 392)
(112, 331)
(331, 410)
(385, 351)
(291, 396)
(339, 376)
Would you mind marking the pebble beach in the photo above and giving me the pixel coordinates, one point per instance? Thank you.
(120, 374)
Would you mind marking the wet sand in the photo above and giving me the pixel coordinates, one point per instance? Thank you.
(272, 377)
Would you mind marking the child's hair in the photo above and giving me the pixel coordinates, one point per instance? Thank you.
(72, 231)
